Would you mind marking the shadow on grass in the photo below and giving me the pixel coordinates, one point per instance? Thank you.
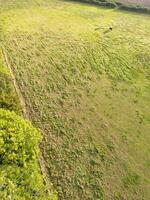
(118, 5)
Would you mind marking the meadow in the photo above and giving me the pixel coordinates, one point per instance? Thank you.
(83, 72)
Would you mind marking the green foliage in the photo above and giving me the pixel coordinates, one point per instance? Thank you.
(19, 140)
(20, 176)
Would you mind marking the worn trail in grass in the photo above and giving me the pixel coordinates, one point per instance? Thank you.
(87, 88)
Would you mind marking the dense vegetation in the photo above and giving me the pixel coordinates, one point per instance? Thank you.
(84, 74)
(20, 176)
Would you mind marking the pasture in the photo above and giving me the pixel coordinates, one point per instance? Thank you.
(87, 88)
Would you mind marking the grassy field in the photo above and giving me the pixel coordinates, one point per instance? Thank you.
(88, 89)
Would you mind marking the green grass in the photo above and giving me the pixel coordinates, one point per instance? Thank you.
(8, 96)
(87, 89)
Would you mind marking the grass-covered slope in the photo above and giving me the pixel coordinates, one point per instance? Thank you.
(20, 173)
(87, 87)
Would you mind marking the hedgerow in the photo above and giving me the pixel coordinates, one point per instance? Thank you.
(20, 176)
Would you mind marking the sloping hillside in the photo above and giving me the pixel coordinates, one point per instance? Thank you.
(84, 74)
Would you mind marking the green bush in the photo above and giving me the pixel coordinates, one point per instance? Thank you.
(20, 176)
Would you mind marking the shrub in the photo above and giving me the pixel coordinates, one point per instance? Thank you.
(20, 176)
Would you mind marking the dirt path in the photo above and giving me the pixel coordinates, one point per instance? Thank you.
(26, 116)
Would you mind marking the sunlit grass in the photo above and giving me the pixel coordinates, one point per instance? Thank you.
(87, 88)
